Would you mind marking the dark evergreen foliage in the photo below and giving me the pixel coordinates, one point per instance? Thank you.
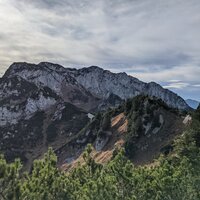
(172, 177)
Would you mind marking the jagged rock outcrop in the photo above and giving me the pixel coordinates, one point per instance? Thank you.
(143, 126)
(20, 99)
(103, 83)
(47, 104)
(57, 79)
(36, 110)
(79, 86)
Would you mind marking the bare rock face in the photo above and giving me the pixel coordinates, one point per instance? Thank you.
(143, 126)
(36, 110)
(103, 83)
(20, 99)
(57, 79)
(169, 97)
(80, 87)
(48, 104)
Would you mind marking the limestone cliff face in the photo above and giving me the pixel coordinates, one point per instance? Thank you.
(28, 88)
(103, 83)
(81, 85)
(56, 78)
(48, 104)
(39, 106)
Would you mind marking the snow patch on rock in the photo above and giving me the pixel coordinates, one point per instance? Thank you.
(187, 119)
(90, 116)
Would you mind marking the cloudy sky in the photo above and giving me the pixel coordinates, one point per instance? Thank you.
(153, 40)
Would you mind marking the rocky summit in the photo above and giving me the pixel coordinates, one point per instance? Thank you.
(47, 104)
(87, 83)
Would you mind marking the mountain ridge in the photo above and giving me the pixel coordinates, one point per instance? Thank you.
(48, 105)
(101, 83)
(192, 103)
(145, 127)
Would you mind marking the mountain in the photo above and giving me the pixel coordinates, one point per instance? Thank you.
(192, 103)
(107, 173)
(56, 78)
(86, 83)
(33, 117)
(144, 126)
(48, 105)
(103, 83)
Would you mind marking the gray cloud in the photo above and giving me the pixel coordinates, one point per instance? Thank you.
(150, 39)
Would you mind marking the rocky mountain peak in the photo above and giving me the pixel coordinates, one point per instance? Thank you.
(45, 103)
(91, 80)
(29, 70)
(103, 83)
(94, 68)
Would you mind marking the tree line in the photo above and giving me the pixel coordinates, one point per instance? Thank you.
(172, 177)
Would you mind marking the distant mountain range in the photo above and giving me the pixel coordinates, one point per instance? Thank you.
(192, 103)
(47, 104)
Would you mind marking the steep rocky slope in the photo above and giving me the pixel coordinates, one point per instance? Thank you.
(145, 127)
(33, 116)
(80, 86)
(49, 105)
(104, 83)
(57, 79)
